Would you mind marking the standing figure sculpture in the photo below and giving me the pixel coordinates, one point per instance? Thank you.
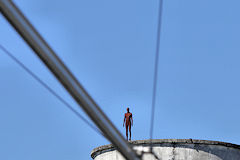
(128, 120)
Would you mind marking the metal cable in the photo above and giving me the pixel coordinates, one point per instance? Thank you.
(50, 90)
(155, 76)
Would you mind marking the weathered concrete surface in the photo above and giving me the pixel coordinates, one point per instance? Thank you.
(174, 149)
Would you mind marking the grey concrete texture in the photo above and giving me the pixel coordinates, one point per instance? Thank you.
(173, 149)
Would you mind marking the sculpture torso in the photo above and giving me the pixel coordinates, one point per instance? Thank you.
(128, 116)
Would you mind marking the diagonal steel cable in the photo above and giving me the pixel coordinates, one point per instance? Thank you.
(10, 55)
(155, 76)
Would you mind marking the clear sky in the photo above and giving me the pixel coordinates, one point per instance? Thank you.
(109, 46)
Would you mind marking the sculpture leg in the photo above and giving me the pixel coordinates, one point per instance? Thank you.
(126, 131)
(130, 132)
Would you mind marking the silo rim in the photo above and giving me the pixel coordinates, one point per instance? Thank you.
(110, 147)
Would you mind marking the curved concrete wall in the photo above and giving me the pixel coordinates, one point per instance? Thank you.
(174, 149)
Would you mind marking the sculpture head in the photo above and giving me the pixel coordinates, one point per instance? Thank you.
(127, 109)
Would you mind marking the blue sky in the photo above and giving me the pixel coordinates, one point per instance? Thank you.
(109, 46)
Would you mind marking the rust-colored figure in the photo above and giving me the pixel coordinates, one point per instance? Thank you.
(128, 120)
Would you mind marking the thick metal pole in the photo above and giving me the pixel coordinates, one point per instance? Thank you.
(62, 73)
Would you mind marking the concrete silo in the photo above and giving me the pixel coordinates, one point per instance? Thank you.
(174, 149)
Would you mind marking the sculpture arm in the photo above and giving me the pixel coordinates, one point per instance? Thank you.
(132, 120)
(124, 120)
